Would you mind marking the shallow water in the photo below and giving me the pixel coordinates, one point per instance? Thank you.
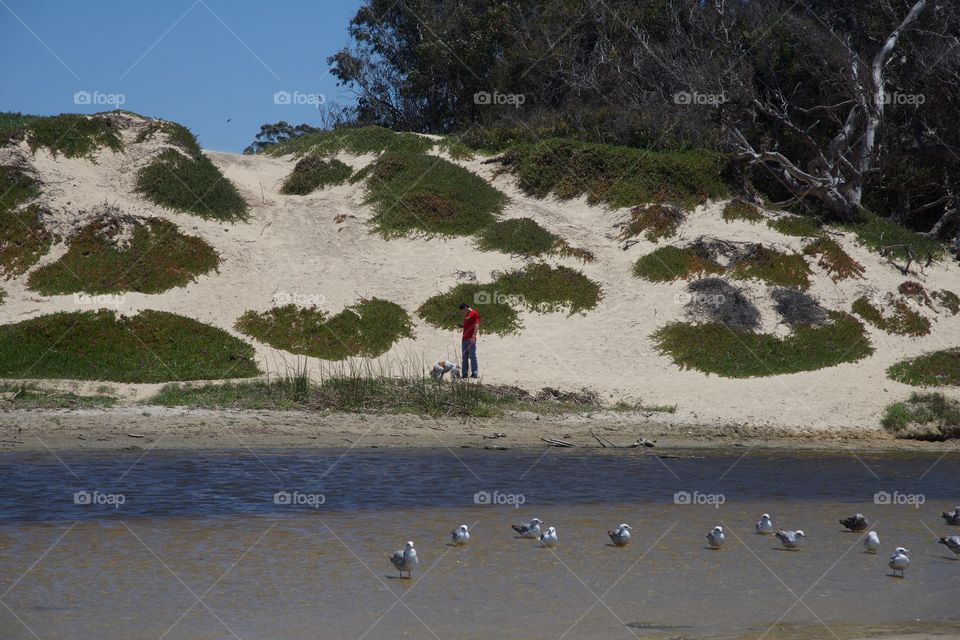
(200, 549)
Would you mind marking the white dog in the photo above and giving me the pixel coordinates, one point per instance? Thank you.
(443, 367)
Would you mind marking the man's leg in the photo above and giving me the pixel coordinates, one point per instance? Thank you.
(464, 358)
(475, 368)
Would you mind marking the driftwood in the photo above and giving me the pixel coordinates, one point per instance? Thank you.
(911, 257)
(554, 442)
(605, 443)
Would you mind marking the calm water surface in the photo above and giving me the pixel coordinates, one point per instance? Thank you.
(206, 545)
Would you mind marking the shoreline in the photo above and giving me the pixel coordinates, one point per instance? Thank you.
(146, 427)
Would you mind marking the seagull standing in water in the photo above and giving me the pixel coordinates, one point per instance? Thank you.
(872, 542)
(952, 517)
(953, 543)
(528, 529)
(715, 538)
(460, 535)
(549, 538)
(899, 560)
(404, 559)
(790, 539)
(764, 526)
(621, 535)
(856, 522)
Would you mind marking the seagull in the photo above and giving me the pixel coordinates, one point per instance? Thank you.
(528, 529)
(549, 539)
(715, 538)
(460, 535)
(899, 560)
(952, 517)
(872, 542)
(856, 522)
(953, 543)
(790, 539)
(764, 526)
(621, 535)
(404, 559)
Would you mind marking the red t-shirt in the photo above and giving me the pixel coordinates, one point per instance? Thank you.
(470, 323)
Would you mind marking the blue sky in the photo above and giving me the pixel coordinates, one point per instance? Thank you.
(198, 62)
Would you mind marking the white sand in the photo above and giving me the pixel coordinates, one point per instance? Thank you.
(291, 246)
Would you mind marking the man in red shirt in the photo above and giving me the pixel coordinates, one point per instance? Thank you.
(471, 328)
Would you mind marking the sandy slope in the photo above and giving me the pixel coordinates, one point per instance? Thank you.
(292, 247)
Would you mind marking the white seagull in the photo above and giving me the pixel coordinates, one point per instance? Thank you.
(872, 542)
(952, 543)
(621, 535)
(549, 539)
(460, 535)
(764, 526)
(790, 539)
(528, 529)
(899, 560)
(404, 559)
(715, 538)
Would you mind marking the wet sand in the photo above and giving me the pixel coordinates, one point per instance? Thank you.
(149, 427)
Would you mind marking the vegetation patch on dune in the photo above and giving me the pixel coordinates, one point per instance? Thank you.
(876, 233)
(948, 300)
(833, 259)
(368, 328)
(524, 237)
(739, 209)
(23, 237)
(798, 308)
(313, 172)
(923, 416)
(353, 140)
(773, 267)
(153, 258)
(670, 263)
(70, 134)
(415, 193)
(538, 287)
(175, 133)
(152, 346)
(736, 353)
(715, 300)
(897, 318)
(655, 221)
(31, 396)
(191, 183)
(617, 176)
(935, 369)
(800, 226)
(497, 313)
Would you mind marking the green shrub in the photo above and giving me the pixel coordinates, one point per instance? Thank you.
(875, 233)
(30, 396)
(935, 369)
(193, 185)
(617, 176)
(545, 289)
(738, 209)
(176, 134)
(670, 263)
(13, 125)
(833, 259)
(924, 416)
(313, 172)
(23, 237)
(655, 220)
(948, 300)
(152, 346)
(368, 328)
(155, 258)
(413, 193)
(800, 226)
(497, 314)
(903, 321)
(738, 353)
(72, 135)
(353, 140)
(773, 267)
(518, 236)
